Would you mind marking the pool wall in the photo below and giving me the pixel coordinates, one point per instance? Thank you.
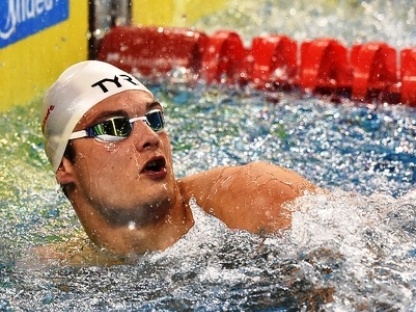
(179, 13)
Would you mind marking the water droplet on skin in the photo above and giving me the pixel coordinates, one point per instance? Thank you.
(110, 147)
(132, 225)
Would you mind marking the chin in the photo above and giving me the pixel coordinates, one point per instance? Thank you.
(143, 213)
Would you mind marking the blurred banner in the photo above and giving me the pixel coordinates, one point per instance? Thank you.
(40, 38)
(20, 18)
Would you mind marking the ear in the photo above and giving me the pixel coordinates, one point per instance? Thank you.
(65, 173)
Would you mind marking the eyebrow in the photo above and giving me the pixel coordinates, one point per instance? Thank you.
(154, 104)
(106, 115)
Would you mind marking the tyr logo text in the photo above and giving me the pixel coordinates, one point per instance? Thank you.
(117, 81)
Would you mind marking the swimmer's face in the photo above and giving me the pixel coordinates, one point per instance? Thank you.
(128, 180)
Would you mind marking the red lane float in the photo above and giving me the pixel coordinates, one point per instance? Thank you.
(324, 67)
(274, 61)
(365, 72)
(408, 76)
(223, 58)
(375, 71)
(153, 50)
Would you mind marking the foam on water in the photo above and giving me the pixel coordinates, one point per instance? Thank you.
(346, 250)
(371, 240)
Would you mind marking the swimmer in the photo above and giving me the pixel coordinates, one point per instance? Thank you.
(106, 140)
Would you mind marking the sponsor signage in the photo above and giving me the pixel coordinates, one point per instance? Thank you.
(22, 18)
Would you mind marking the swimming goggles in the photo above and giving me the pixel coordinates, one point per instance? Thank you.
(119, 128)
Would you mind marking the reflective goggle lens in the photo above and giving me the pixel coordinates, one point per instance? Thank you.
(118, 128)
(155, 120)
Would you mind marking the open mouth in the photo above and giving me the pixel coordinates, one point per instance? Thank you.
(155, 165)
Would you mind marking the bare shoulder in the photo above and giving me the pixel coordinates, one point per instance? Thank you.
(250, 197)
(254, 176)
(263, 172)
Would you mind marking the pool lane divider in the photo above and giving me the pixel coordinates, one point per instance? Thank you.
(367, 72)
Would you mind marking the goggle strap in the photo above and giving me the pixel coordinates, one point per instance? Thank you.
(78, 134)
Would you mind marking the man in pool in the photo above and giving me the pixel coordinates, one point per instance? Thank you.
(105, 137)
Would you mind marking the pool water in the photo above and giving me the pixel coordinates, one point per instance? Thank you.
(351, 249)
(354, 248)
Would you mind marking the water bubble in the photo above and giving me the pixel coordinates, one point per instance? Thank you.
(47, 299)
(5, 305)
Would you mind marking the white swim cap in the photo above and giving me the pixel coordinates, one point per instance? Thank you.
(79, 88)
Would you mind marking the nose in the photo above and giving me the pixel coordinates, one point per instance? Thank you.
(145, 137)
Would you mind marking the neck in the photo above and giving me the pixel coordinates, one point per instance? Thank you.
(129, 239)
